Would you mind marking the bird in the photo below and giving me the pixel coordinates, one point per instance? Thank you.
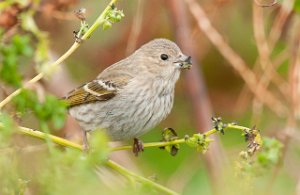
(130, 97)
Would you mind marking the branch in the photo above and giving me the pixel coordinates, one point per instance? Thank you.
(99, 21)
(143, 180)
(44, 136)
(259, 90)
(110, 163)
(199, 141)
(285, 11)
(67, 143)
(182, 140)
(269, 70)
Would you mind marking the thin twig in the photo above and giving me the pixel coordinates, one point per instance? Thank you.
(110, 163)
(235, 60)
(115, 166)
(294, 94)
(141, 179)
(263, 59)
(99, 21)
(53, 138)
(67, 143)
(277, 27)
(276, 30)
(279, 59)
(269, 73)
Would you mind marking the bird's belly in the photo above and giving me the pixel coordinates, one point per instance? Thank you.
(125, 118)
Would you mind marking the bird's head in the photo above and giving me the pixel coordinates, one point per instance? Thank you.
(162, 56)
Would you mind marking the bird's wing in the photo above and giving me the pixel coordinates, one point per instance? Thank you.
(96, 90)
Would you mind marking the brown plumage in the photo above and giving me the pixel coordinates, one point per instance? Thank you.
(133, 95)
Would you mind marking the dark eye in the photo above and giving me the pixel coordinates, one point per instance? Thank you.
(164, 56)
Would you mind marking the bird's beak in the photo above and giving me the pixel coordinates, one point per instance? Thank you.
(185, 62)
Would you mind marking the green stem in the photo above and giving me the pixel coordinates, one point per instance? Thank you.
(180, 141)
(110, 163)
(67, 143)
(99, 21)
(95, 25)
(143, 180)
(44, 136)
(64, 142)
(113, 165)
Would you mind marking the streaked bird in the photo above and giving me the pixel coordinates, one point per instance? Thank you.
(132, 96)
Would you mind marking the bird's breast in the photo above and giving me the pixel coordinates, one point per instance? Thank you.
(153, 101)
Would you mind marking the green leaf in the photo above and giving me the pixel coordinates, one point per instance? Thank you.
(11, 61)
(24, 101)
(8, 50)
(270, 155)
(9, 72)
(22, 44)
(52, 110)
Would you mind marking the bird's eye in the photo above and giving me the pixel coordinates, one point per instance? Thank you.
(164, 56)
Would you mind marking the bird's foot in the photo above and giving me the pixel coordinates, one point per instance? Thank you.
(137, 146)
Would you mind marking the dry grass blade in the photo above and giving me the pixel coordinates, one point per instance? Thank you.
(235, 60)
(268, 72)
(284, 13)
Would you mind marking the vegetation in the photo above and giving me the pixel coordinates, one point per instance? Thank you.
(265, 98)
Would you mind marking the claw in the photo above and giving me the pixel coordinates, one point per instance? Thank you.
(137, 146)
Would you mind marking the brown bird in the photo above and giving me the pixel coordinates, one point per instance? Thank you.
(131, 96)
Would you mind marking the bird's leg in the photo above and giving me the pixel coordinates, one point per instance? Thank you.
(137, 146)
(85, 142)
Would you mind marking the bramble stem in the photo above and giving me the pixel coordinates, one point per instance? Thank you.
(180, 141)
(99, 21)
(53, 138)
(143, 180)
(110, 163)
(67, 143)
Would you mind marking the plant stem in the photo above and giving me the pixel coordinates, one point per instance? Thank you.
(53, 138)
(180, 141)
(67, 143)
(143, 180)
(99, 21)
(113, 165)
(110, 163)
(71, 50)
